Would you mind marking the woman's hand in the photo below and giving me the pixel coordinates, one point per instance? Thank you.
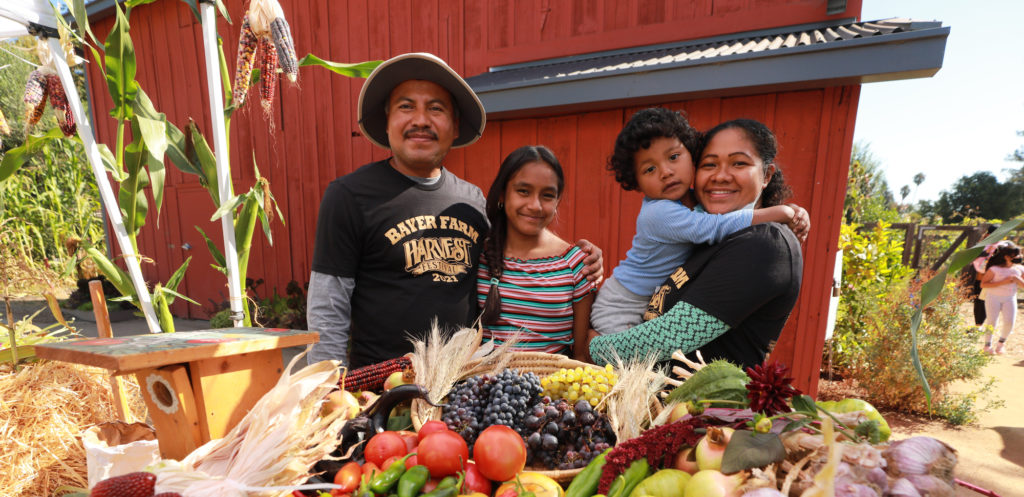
(594, 269)
(801, 223)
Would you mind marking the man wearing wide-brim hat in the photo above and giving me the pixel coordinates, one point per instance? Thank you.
(398, 240)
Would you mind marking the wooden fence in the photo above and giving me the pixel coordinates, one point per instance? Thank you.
(919, 238)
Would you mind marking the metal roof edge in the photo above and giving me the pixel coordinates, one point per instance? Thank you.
(910, 57)
(902, 37)
(675, 44)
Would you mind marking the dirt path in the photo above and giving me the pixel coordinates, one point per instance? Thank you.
(991, 453)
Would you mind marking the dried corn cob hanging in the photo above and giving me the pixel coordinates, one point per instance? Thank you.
(35, 97)
(61, 106)
(247, 43)
(268, 75)
(285, 47)
(372, 377)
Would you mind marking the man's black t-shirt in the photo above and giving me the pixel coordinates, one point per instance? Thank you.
(750, 281)
(411, 249)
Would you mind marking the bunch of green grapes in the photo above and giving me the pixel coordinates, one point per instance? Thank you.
(587, 383)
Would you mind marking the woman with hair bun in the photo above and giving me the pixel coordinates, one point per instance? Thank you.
(729, 300)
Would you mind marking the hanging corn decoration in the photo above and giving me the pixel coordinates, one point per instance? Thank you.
(268, 75)
(35, 97)
(247, 43)
(285, 48)
(61, 107)
(264, 30)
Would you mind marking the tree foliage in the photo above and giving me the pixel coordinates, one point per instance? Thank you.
(979, 195)
(868, 199)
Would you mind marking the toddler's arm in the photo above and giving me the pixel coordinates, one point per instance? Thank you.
(792, 215)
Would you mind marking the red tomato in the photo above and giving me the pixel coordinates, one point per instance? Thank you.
(411, 461)
(411, 439)
(475, 481)
(430, 427)
(384, 445)
(443, 453)
(370, 469)
(387, 464)
(499, 453)
(348, 477)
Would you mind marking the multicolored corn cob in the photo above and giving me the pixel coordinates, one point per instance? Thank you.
(61, 106)
(372, 377)
(247, 43)
(285, 48)
(268, 74)
(35, 97)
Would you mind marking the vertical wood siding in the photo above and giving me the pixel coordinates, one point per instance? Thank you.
(315, 138)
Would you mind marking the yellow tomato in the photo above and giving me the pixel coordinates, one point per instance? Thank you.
(540, 485)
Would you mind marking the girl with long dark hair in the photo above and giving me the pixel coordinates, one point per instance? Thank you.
(530, 281)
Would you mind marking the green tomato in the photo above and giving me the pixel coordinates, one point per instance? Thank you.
(852, 405)
(664, 483)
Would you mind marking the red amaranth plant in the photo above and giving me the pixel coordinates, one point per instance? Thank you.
(770, 389)
(658, 445)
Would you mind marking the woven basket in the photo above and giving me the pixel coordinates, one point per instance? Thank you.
(542, 364)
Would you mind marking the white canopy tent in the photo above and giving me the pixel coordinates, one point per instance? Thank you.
(36, 17)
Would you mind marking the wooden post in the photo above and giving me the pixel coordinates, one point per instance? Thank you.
(99, 309)
(908, 242)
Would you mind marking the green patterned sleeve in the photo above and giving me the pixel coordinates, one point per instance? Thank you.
(683, 327)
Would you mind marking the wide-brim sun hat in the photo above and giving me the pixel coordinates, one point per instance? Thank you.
(421, 66)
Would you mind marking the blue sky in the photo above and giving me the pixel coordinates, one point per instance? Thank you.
(960, 121)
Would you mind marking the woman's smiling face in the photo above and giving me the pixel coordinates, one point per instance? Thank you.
(730, 174)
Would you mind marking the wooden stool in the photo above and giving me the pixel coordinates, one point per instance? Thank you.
(197, 384)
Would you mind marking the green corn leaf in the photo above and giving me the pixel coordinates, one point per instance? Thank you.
(223, 11)
(170, 295)
(120, 64)
(110, 163)
(194, 5)
(82, 22)
(175, 279)
(162, 309)
(218, 257)
(17, 157)
(178, 153)
(228, 207)
(357, 70)
(152, 127)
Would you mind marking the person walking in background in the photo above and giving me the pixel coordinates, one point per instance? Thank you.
(1003, 274)
(973, 280)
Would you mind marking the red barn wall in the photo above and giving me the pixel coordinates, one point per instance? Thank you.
(314, 137)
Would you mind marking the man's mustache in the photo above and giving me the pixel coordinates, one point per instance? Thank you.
(420, 131)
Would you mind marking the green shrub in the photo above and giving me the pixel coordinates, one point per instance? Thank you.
(947, 350)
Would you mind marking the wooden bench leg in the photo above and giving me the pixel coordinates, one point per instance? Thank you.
(172, 407)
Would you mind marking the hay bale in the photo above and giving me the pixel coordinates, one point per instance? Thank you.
(44, 408)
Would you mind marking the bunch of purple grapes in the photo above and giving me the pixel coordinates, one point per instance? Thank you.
(563, 436)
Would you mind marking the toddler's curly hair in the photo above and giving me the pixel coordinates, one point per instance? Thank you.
(645, 126)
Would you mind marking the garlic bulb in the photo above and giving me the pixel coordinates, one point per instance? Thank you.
(764, 492)
(930, 486)
(903, 488)
(921, 456)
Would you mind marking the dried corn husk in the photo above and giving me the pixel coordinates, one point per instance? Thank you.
(272, 449)
(44, 407)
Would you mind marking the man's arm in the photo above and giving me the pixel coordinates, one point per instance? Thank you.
(594, 269)
(329, 312)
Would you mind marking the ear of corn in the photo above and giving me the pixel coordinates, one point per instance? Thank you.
(372, 377)
(268, 74)
(247, 42)
(285, 48)
(35, 97)
(61, 106)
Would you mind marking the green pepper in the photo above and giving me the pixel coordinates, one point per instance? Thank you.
(413, 480)
(629, 479)
(383, 482)
(585, 483)
(852, 405)
(448, 487)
